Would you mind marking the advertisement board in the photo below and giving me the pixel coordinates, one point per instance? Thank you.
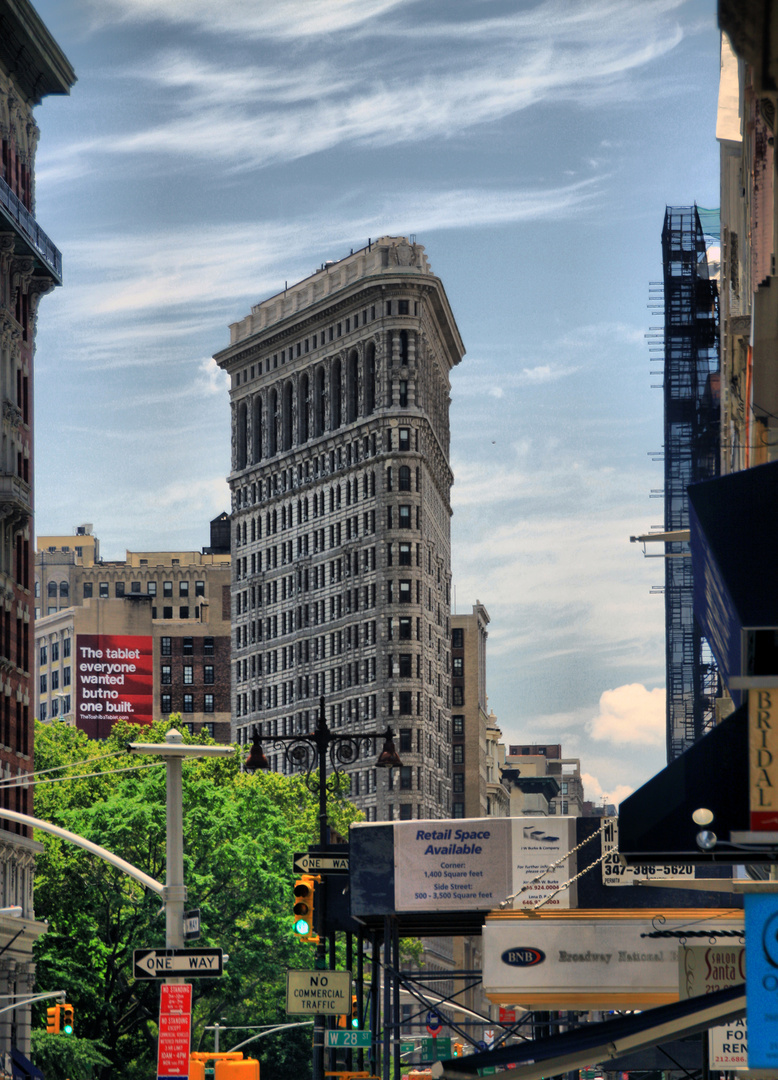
(476, 863)
(703, 969)
(589, 959)
(762, 979)
(614, 872)
(114, 681)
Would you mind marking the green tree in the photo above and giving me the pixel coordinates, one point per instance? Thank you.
(240, 831)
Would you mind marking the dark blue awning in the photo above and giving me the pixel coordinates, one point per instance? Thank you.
(23, 1068)
(601, 1042)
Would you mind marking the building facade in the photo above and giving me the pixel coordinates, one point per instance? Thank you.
(179, 601)
(340, 513)
(32, 66)
(542, 781)
(477, 752)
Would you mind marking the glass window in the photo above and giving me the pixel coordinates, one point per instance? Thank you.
(459, 783)
(199, 588)
(118, 588)
(208, 645)
(458, 724)
(66, 647)
(458, 695)
(37, 587)
(458, 666)
(406, 702)
(406, 811)
(457, 638)
(66, 676)
(183, 613)
(405, 592)
(208, 705)
(44, 654)
(406, 668)
(405, 628)
(166, 674)
(405, 516)
(64, 589)
(405, 438)
(188, 648)
(167, 613)
(188, 702)
(55, 680)
(167, 588)
(166, 703)
(208, 674)
(151, 588)
(459, 755)
(44, 684)
(135, 586)
(103, 590)
(406, 777)
(166, 646)
(208, 726)
(405, 554)
(52, 589)
(43, 711)
(183, 588)
(406, 743)
(188, 674)
(458, 810)
(87, 590)
(54, 651)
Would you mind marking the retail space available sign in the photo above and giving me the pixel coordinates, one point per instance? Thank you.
(703, 969)
(589, 959)
(614, 873)
(175, 1032)
(475, 863)
(318, 993)
(114, 681)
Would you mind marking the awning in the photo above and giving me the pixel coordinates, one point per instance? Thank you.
(23, 1068)
(601, 1042)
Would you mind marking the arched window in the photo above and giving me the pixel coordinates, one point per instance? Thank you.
(405, 478)
(303, 404)
(64, 591)
(352, 387)
(240, 461)
(257, 433)
(52, 589)
(319, 400)
(389, 478)
(272, 423)
(369, 379)
(287, 416)
(336, 386)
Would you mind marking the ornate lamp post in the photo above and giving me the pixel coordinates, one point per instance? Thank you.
(304, 752)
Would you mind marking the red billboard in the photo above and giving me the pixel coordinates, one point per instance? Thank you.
(114, 681)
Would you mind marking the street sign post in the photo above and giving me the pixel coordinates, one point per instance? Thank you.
(436, 1049)
(322, 993)
(305, 863)
(175, 1032)
(353, 1039)
(161, 963)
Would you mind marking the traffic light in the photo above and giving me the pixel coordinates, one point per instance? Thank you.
(53, 1019)
(304, 894)
(353, 1018)
(67, 1019)
(458, 1048)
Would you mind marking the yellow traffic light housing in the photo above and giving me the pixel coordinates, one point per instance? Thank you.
(304, 896)
(354, 1011)
(67, 1019)
(53, 1019)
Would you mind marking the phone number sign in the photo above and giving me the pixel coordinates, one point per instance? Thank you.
(615, 873)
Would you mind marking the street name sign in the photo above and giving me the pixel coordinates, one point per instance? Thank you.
(304, 863)
(175, 1032)
(192, 925)
(353, 1039)
(323, 993)
(159, 963)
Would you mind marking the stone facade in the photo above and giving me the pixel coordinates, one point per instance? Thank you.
(31, 67)
(340, 514)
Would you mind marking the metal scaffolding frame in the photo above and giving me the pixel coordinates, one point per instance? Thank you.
(691, 437)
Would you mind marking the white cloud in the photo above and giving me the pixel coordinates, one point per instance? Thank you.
(631, 715)
(594, 790)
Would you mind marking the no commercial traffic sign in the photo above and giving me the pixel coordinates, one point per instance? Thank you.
(159, 963)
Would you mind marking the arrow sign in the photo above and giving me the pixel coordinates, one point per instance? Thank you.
(159, 963)
(320, 864)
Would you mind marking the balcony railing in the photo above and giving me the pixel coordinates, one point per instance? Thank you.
(17, 213)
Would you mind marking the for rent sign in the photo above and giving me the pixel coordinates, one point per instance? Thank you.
(114, 680)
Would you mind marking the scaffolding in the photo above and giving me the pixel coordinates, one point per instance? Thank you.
(691, 438)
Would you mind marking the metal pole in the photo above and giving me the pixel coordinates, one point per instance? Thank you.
(321, 956)
(387, 995)
(175, 890)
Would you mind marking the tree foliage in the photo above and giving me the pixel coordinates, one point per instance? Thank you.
(240, 832)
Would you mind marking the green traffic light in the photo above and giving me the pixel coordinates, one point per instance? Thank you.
(355, 1021)
(68, 1029)
(302, 927)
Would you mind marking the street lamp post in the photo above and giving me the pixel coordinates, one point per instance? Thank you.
(174, 750)
(304, 752)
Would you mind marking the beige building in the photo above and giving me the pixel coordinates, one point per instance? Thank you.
(340, 513)
(179, 600)
(477, 753)
(543, 782)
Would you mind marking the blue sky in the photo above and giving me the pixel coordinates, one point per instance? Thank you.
(210, 152)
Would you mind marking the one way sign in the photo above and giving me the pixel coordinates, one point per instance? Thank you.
(159, 963)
